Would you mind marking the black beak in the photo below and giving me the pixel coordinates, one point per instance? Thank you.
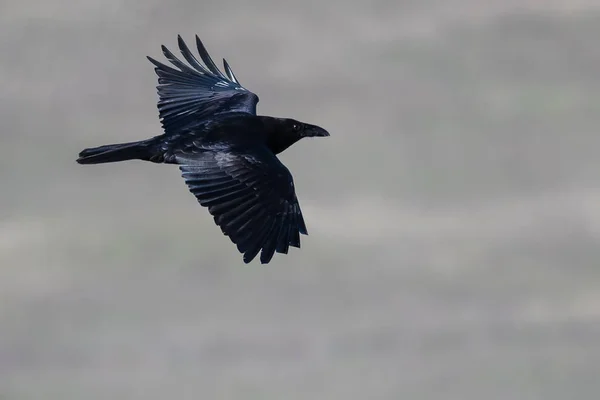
(314, 131)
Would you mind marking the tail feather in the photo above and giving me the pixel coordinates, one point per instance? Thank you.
(115, 153)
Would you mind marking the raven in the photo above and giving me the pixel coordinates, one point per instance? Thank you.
(225, 151)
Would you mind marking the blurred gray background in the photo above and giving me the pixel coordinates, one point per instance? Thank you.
(454, 212)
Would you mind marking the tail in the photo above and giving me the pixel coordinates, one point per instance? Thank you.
(116, 152)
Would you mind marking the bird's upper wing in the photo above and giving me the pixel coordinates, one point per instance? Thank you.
(251, 196)
(194, 92)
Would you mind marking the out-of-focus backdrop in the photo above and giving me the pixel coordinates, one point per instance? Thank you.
(454, 213)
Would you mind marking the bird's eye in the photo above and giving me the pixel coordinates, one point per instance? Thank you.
(296, 127)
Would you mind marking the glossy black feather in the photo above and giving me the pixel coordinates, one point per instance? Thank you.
(250, 195)
(192, 92)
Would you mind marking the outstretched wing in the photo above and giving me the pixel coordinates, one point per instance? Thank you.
(251, 196)
(196, 91)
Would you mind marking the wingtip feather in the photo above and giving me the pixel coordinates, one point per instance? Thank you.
(229, 71)
(207, 58)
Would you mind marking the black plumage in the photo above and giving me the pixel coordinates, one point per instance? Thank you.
(226, 153)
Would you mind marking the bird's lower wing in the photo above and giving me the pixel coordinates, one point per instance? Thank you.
(251, 196)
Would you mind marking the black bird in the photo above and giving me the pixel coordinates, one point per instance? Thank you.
(226, 153)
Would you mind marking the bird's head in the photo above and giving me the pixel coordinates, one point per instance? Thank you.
(284, 132)
(301, 130)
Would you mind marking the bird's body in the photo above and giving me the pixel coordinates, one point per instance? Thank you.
(227, 153)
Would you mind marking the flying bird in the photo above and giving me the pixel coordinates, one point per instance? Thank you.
(227, 153)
